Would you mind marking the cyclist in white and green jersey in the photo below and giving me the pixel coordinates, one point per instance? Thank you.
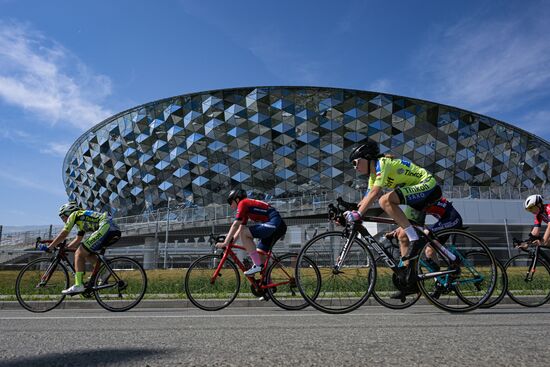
(104, 233)
(412, 185)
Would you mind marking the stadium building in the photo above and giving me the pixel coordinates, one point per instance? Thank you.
(280, 143)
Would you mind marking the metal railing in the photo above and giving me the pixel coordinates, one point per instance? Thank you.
(307, 204)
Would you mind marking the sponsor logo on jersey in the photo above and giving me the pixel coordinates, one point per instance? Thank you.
(411, 173)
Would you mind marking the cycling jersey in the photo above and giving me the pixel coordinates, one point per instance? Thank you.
(85, 220)
(105, 232)
(271, 227)
(255, 210)
(543, 216)
(392, 173)
(413, 184)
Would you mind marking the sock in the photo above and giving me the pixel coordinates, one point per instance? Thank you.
(78, 278)
(255, 256)
(411, 233)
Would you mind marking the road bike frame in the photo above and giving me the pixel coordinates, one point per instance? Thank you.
(260, 285)
(61, 257)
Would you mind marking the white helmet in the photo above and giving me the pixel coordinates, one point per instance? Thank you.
(532, 201)
(68, 208)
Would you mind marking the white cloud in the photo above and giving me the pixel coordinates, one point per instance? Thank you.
(42, 77)
(380, 85)
(537, 122)
(489, 65)
(56, 149)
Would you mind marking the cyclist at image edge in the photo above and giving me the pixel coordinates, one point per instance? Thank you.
(105, 233)
(270, 228)
(412, 185)
(535, 204)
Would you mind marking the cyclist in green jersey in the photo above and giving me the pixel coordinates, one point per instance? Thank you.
(411, 185)
(105, 233)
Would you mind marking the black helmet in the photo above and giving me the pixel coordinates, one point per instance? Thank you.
(369, 150)
(236, 194)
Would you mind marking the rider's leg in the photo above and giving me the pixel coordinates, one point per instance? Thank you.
(390, 204)
(247, 241)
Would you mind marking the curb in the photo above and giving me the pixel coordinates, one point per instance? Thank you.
(182, 303)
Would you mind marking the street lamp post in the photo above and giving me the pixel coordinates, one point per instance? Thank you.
(166, 236)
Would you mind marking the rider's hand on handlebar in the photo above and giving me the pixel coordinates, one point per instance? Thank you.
(352, 216)
(43, 247)
(221, 244)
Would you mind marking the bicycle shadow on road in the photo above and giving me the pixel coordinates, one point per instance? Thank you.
(87, 358)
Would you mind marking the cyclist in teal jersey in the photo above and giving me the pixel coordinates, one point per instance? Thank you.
(411, 185)
(104, 233)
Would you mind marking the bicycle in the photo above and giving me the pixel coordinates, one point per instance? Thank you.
(528, 274)
(117, 284)
(349, 273)
(212, 282)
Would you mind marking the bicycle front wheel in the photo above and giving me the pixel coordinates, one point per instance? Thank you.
(529, 290)
(211, 293)
(121, 287)
(39, 284)
(286, 294)
(470, 279)
(341, 290)
(501, 287)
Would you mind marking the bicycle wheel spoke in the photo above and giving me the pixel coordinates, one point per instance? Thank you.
(205, 291)
(474, 273)
(123, 291)
(529, 291)
(38, 293)
(341, 290)
(288, 296)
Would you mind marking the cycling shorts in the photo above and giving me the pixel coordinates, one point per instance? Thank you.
(452, 220)
(107, 234)
(420, 195)
(268, 232)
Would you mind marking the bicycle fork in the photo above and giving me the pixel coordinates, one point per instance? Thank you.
(344, 253)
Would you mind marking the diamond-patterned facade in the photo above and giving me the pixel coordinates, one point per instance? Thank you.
(284, 142)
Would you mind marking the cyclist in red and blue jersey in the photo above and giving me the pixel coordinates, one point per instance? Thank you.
(535, 204)
(104, 233)
(269, 229)
(447, 217)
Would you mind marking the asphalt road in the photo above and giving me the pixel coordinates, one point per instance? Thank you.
(507, 335)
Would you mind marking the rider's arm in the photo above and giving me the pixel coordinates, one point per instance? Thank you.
(234, 228)
(367, 201)
(535, 232)
(74, 243)
(58, 239)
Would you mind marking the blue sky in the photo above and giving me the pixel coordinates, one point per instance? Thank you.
(67, 65)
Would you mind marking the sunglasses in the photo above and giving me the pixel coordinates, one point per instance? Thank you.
(355, 162)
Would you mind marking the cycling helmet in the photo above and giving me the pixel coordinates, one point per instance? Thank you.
(532, 201)
(67, 209)
(236, 194)
(369, 150)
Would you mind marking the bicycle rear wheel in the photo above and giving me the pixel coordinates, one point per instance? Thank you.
(473, 276)
(286, 295)
(124, 293)
(340, 291)
(211, 294)
(527, 292)
(386, 289)
(41, 295)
